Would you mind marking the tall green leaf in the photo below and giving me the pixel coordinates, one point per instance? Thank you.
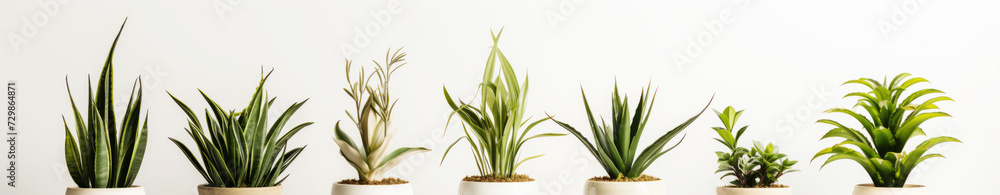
(106, 153)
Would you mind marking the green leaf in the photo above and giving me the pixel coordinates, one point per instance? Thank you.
(647, 154)
(191, 158)
(102, 151)
(543, 135)
(137, 154)
(397, 156)
(73, 159)
(844, 132)
(841, 153)
(601, 157)
(449, 149)
(864, 121)
(526, 159)
(911, 124)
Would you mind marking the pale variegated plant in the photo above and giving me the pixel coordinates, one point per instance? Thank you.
(372, 116)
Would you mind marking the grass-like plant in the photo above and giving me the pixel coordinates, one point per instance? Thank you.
(372, 116)
(494, 127)
(759, 167)
(616, 144)
(239, 149)
(893, 119)
(106, 156)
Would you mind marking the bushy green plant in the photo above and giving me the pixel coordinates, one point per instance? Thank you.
(616, 145)
(758, 167)
(106, 156)
(239, 150)
(893, 119)
(372, 116)
(494, 127)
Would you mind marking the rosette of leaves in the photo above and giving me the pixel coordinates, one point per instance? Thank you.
(240, 149)
(893, 119)
(373, 118)
(106, 153)
(616, 144)
(758, 167)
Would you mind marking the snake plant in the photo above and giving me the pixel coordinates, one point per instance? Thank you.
(759, 167)
(494, 128)
(616, 144)
(240, 149)
(372, 116)
(104, 154)
(893, 119)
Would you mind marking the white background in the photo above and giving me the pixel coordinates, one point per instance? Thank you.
(781, 60)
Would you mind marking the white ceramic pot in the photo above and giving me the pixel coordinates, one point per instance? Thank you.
(723, 190)
(204, 189)
(870, 189)
(134, 190)
(498, 188)
(351, 189)
(658, 187)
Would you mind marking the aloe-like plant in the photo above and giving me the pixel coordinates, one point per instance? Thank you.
(103, 155)
(372, 116)
(239, 149)
(893, 119)
(616, 144)
(759, 167)
(493, 129)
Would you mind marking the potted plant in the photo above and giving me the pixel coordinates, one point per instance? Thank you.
(105, 156)
(241, 153)
(893, 119)
(756, 170)
(373, 118)
(494, 129)
(616, 144)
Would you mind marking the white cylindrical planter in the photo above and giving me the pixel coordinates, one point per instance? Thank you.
(870, 189)
(724, 190)
(204, 189)
(134, 190)
(498, 188)
(657, 187)
(351, 189)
